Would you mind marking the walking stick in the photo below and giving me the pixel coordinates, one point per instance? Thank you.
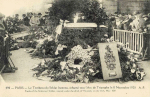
(2, 69)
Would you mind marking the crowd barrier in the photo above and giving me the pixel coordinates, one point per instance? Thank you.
(134, 41)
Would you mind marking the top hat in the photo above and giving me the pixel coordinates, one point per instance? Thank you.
(39, 14)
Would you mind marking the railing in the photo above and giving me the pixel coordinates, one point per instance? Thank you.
(134, 41)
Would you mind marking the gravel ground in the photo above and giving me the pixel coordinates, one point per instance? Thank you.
(25, 63)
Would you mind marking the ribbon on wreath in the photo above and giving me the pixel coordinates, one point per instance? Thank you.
(59, 27)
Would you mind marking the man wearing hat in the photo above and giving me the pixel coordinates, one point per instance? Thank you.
(34, 20)
(41, 19)
(126, 22)
(139, 23)
(39, 15)
(26, 20)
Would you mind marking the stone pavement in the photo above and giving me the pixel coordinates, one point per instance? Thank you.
(25, 63)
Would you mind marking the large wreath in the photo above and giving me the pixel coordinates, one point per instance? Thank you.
(83, 65)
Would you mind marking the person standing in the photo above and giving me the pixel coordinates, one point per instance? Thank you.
(127, 22)
(34, 22)
(26, 20)
(41, 19)
(16, 23)
(138, 23)
(4, 46)
(23, 16)
(2, 26)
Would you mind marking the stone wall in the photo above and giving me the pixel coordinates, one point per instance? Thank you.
(130, 6)
(110, 6)
(125, 6)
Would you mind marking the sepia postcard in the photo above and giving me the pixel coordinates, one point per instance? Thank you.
(75, 48)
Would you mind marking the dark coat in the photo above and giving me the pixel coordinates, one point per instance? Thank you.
(26, 21)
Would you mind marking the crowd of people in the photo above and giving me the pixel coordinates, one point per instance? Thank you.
(137, 21)
(10, 25)
(29, 19)
(33, 19)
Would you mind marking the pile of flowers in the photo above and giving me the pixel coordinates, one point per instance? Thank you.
(46, 48)
(33, 39)
(76, 67)
(78, 53)
(83, 64)
(13, 44)
(130, 64)
(13, 25)
(39, 34)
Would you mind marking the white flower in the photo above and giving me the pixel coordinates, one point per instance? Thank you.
(71, 71)
(91, 71)
(63, 64)
(64, 72)
(43, 62)
(129, 57)
(128, 63)
(135, 59)
(106, 35)
(59, 48)
(108, 40)
(133, 70)
(111, 38)
(50, 38)
(132, 60)
(134, 65)
(78, 52)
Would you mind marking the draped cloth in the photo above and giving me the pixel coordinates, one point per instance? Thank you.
(59, 29)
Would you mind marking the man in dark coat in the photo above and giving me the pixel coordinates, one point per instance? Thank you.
(127, 22)
(26, 20)
(42, 20)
